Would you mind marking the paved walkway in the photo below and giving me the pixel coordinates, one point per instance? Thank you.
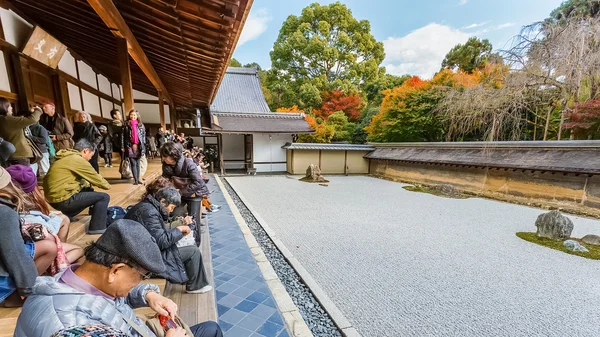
(401, 263)
(244, 302)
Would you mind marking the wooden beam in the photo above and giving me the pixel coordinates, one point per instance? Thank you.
(125, 75)
(109, 13)
(161, 109)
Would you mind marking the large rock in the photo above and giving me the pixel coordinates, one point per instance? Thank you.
(575, 246)
(554, 225)
(591, 239)
(313, 173)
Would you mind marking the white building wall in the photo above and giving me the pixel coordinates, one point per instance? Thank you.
(4, 82)
(74, 97)
(116, 91)
(233, 149)
(91, 103)
(16, 29)
(267, 148)
(107, 106)
(67, 64)
(87, 74)
(150, 113)
(141, 95)
(104, 84)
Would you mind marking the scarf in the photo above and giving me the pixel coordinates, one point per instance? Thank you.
(134, 132)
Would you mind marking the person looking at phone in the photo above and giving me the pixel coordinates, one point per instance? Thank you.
(105, 289)
(183, 264)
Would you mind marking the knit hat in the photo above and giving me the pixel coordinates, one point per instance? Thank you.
(6, 150)
(48, 103)
(128, 239)
(4, 177)
(92, 330)
(102, 128)
(23, 176)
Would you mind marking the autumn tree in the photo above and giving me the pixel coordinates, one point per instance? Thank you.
(584, 120)
(323, 132)
(374, 89)
(469, 56)
(336, 100)
(293, 108)
(325, 48)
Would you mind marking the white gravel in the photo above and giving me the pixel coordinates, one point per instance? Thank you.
(400, 263)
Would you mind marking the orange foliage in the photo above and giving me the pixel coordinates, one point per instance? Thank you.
(395, 96)
(459, 78)
(336, 100)
(293, 108)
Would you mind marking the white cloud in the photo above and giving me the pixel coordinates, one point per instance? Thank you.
(256, 24)
(475, 25)
(505, 25)
(463, 2)
(422, 51)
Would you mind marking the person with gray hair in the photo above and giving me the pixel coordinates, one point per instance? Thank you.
(84, 128)
(183, 264)
(68, 186)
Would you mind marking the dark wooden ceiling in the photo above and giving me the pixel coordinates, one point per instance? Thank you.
(188, 42)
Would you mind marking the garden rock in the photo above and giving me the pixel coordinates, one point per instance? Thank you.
(313, 174)
(591, 239)
(554, 225)
(575, 246)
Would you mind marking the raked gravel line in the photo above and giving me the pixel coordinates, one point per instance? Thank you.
(400, 263)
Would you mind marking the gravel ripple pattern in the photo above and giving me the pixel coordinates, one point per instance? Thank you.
(315, 317)
(401, 263)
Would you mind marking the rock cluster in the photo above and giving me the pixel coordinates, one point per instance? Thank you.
(554, 225)
(591, 239)
(313, 174)
(575, 246)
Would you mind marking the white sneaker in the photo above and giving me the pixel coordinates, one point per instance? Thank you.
(202, 290)
(105, 165)
(109, 165)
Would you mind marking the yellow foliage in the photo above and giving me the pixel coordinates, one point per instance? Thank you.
(293, 108)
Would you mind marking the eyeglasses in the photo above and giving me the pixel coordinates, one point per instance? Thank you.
(145, 275)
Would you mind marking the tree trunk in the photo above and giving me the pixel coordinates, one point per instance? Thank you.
(548, 122)
(535, 126)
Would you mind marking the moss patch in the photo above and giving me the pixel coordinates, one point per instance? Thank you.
(309, 180)
(594, 251)
(440, 192)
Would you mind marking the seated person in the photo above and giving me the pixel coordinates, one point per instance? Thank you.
(184, 264)
(37, 211)
(67, 185)
(105, 289)
(21, 261)
(184, 174)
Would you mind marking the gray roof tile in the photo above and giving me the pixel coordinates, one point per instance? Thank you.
(325, 147)
(240, 91)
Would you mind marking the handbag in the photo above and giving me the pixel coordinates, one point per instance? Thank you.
(154, 325)
(34, 232)
(125, 168)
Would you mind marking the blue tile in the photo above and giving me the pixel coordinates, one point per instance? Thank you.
(269, 329)
(230, 300)
(283, 333)
(251, 273)
(239, 281)
(233, 316)
(276, 318)
(257, 297)
(221, 294)
(225, 277)
(251, 322)
(246, 306)
(237, 331)
(265, 290)
(222, 309)
(225, 326)
(227, 287)
(254, 285)
(263, 311)
(259, 278)
(243, 292)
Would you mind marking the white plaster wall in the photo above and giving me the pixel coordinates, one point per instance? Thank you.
(267, 148)
(16, 29)
(4, 82)
(106, 107)
(91, 103)
(104, 84)
(150, 113)
(67, 64)
(233, 149)
(211, 140)
(198, 141)
(87, 74)
(116, 92)
(74, 98)
(141, 95)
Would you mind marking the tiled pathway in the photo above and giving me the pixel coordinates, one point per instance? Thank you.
(245, 304)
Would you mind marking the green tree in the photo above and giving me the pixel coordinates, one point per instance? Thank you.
(343, 129)
(374, 89)
(234, 63)
(469, 56)
(253, 65)
(574, 9)
(326, 48)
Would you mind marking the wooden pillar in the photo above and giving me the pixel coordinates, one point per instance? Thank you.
(161, 109)
(221, 160)
(125, 75)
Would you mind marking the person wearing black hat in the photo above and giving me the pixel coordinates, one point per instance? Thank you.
(105, 289)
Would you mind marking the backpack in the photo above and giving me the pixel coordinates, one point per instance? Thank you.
(51, 148)
(114, 213)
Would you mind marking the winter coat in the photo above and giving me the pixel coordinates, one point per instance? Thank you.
(185, 168)
(61, 128)
(68, 175)
(153, 216)
(115, 130)
(55, 306)
(106, 145)
(14, 260)
(39, 135)
(126, 143)
(87, 130)
(152, 144)
(161, 138)
(12, 129)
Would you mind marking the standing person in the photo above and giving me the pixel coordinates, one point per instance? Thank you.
(161, 137)
(106, 146)
(59, 127)
(67, 186)
(84, 128)
(12, 129)
(133, 143)
(115, 130)
(39, 135)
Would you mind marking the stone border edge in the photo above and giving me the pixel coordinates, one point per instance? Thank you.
(334, 312)
(293, 320)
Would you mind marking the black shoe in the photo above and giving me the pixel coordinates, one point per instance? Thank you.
(95, 231)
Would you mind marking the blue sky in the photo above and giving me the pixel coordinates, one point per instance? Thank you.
(416, 34)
